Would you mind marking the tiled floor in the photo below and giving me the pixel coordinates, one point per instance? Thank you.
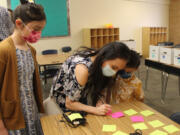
(153, 92)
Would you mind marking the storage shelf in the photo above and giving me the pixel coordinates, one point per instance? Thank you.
(98, 37)
(152, 36)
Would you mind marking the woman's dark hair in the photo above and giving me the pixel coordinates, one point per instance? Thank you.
(97, 81)
(134, 60)
(29, 12)
(10, 10)
(10, 13)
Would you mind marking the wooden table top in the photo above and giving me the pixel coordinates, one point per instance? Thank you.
(52, 59)
(52, 126)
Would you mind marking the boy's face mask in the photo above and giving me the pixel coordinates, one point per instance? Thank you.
(33, 37)
(125, 75)
(108, 71)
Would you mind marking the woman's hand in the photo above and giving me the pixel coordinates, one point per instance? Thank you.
(102, 109)
(77, 106)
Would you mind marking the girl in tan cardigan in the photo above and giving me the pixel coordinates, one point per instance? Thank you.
(20, 91)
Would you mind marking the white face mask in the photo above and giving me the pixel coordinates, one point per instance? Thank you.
(108, 71)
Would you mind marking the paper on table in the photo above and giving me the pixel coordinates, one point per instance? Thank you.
(156, 123)
(171, 128)
(140, 126)
(75, 116)
(147, 113)
(137, 119)
(130, 112)
(119, 133)
(109, 128)
(158, 132)
(117, 114)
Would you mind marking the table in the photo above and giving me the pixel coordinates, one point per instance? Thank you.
(165, 69)
(51, 59)
(51, 125)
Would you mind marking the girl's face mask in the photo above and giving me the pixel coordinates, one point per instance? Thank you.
(108, 71)
(33, 37)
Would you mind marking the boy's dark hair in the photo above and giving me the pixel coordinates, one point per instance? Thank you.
(29, 12)
(134, 60)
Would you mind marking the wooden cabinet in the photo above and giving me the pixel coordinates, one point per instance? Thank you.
(174, 21)
(152, 36)
(97, 37)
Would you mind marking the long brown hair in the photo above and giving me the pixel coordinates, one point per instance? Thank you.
(96, 80)
(29, 12)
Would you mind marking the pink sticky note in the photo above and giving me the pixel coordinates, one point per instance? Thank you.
(109, 112)
(117, 114)
(137, 119)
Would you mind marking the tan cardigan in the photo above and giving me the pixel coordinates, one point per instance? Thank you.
(10, 107)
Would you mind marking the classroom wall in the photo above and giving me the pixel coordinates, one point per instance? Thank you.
(3, 3)
(129, 15)
(174, 21)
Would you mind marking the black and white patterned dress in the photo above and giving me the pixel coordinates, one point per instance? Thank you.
(65, 83)
(25, 65)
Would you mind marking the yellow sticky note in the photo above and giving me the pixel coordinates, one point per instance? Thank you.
(75, 116)
(158, 132)
(140, 126)
(156, 123)
(119, 133)
(130, 112)
(171, 129)
(109, 128)
(147, 113)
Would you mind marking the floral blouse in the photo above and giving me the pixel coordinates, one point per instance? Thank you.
(65, 83)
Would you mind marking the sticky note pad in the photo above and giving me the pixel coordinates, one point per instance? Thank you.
(117, 114)
(156, 123)
(158, 132)
(130, 112)
(147, 113)
(137, 119)
(119, 133)
(140, 126)
(171, 129)
(109, 128)
(75, 116)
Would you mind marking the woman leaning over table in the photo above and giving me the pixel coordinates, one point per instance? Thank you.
(83, 76)
(20, 91)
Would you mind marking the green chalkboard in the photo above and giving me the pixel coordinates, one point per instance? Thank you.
(14, 4)
(57, 17)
